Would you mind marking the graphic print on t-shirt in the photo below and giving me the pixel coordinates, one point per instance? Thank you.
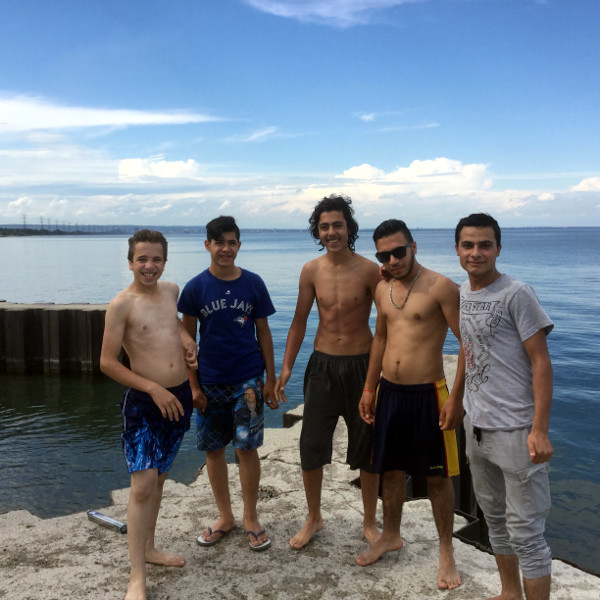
(224, 303)
(477, 367)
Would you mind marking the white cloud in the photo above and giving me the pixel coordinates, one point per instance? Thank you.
(153, 211)
(56, 162)
(392, 115)
(19, 206)
(26, 113)
(140, 168)
(546, 197)
(392, 128)
(363, 171)
(590, 184)
(263, 135)
(426, 177)
(260, 135)
(339, 13)
(367, 117)
(84, 186)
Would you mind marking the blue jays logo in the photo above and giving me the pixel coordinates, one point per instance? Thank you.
(241, 320)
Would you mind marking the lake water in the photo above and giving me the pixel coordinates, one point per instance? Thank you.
(59, 436)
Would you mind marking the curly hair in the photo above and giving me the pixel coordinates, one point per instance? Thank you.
(334, 202)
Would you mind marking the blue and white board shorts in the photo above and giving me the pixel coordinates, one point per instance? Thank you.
(151, 441)
(234, 413)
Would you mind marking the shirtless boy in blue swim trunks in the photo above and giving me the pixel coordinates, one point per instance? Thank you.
(157, 405)
(414, 416)
(232, 306)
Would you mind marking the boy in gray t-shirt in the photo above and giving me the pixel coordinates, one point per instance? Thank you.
(508, 391)
(495, 321)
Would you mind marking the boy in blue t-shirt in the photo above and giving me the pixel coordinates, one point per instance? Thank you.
(235, 348)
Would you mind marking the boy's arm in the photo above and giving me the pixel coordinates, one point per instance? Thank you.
(366, 406)
(538, 442)
(112, 342)
(190, 349)
(265, 342)
(190, 324)
(452, 412)
(295, 337)
(375, 275)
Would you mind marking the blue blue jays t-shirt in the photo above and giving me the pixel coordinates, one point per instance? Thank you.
(228, 350)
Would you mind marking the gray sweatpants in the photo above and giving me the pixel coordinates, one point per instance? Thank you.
(514, 495)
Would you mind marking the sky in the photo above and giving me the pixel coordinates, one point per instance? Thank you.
(174, 112)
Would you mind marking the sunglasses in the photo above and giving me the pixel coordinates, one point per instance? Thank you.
(399, 252)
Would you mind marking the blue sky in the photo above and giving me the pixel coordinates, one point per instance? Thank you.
(173, 112)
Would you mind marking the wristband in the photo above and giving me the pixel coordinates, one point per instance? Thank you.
(368, 390)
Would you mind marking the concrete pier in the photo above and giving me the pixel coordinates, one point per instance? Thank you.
(51, 338)
(73, 557)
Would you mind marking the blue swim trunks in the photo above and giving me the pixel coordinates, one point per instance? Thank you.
(234, 412)
(149, 440)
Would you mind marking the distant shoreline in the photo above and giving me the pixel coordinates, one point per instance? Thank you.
(25, 232)
(95, 230)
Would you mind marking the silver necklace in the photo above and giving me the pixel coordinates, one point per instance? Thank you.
(410, 287)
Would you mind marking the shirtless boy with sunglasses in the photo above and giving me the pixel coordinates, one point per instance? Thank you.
(413, 424)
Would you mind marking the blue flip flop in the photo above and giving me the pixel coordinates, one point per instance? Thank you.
(204, 542)
(266, 544)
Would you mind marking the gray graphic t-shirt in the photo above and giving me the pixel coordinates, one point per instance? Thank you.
(494, 323)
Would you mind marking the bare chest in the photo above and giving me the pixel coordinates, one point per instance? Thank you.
(345, 295)
(152, 320)
(410, 310)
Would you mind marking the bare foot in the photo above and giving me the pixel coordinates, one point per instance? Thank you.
(371, 533)
(448, 576)
(156, 557)
(305, 534)
(378, 549)
(136, 590)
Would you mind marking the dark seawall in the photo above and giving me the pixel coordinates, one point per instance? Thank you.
(51, 338)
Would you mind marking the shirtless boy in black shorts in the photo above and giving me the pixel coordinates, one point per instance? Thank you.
(343, 285)
(158, 402)
(415, 417)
